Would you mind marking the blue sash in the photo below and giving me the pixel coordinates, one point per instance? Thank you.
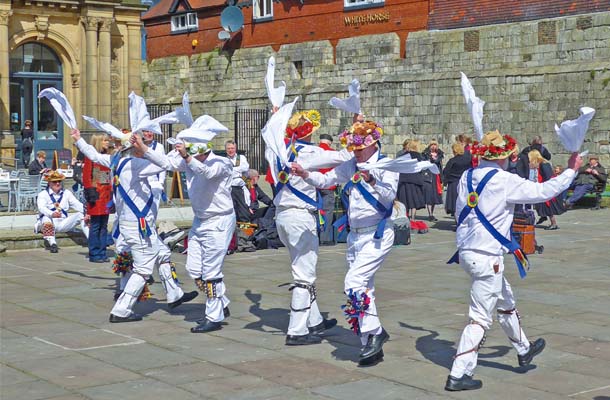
(57, 202)
(140, 214)
(284, 180)
(386, 212)
(472, 204)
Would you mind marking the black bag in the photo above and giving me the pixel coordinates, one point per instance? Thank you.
(402, 233)
(91, 195)
(523, 216)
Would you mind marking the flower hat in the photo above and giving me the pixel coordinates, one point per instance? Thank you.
(494, 146)
(54, 176)
(361, 135)
(303, 124)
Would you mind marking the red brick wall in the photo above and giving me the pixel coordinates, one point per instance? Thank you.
(449, 14)
(292, 23)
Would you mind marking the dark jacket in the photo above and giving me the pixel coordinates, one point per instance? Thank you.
(35, 167)
(416, 179)
(427, 155)
(520, 167)
(544, 152)
(584, 177)
(455, 168)
(260, 196)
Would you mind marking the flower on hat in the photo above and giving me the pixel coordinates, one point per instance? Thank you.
(303, 124)
(361, 135)
(198, 148)
(494, 146)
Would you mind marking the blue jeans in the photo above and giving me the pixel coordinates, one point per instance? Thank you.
(98, 237)
(580, 191)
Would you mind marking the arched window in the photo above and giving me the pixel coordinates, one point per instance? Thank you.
(34, 58)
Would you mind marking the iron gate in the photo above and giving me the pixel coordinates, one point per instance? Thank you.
(157, 110)
(248, 126)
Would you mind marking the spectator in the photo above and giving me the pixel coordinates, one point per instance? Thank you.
(433, 188)
(38, 166)
(27, 143)
(544, 172)
(411, 186)
(328, 198)
(518, 163)
(588, 176)
(452, 173)
(536, 144)
(256, 195)
(239, 192)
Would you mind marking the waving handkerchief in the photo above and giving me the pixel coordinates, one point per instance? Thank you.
(403, 165)
(139, 118)
(274, 131)
(572, 132)
(184, 113)
(203, 130)
(352, 103)
(276, 94)
(108, 128)
(475, 105)
(60, 104)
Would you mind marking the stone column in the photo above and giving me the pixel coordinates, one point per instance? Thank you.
(104, 88)
(91, 25)
(134, 59)
(5, 121)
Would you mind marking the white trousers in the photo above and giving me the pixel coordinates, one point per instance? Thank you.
(298, 231)
(65, 224)
(365, 255)
(490, 291)
(207, 248)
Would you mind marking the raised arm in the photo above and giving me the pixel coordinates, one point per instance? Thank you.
(89, 151)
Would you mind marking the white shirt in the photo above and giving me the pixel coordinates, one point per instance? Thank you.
(208, 183)
(133, 178)
(497, 202)
(68, 201)
(361, 213)
(310, 157)
(157, 182)
(239, 171)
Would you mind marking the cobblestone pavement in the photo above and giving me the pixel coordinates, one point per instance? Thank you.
(56, 342)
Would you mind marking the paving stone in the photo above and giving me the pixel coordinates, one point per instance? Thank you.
(138, 389)
(31, 391)
(11, 376)
(188, 373)
(374, 388)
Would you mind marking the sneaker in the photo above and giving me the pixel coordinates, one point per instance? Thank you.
(536, 348)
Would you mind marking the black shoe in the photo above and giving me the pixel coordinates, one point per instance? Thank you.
(97, 261)
(464, 383)
(535, 349)
(150, 280)
(432, 218)
(541, 220)
(373, 346)
(206, 326)
(54, 248)
(372, 360)
(117, 294)
(131, 318)
(186, 297)
(226, 312)
(551, 228)
(322, 326)
(302, 340)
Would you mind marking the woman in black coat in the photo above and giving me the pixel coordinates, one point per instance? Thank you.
(433, 184)
(452, 173)
(411, 186)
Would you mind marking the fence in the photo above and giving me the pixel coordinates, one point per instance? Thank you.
(248, 125)
(157, 110)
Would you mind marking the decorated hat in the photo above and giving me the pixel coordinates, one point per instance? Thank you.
(361, 135)
(494, 146)
(198, 148)
(54, 176)
(302, 124)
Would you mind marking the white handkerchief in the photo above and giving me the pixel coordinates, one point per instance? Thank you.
(60, 104)
(204, 129)
(572, 132)
(105, 127)
(403, 165)
(139, 118)
(352, 103)
(276, 94)
(475, 105)
(274, 131)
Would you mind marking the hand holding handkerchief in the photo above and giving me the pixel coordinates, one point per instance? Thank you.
(572, 132)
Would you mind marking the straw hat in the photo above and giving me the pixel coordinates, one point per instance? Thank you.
(494, 146)
(54, 176)
(302, 124)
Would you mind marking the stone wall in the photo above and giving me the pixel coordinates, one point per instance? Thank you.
(531, 74)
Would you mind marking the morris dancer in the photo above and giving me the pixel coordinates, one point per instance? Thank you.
(371, 195)
(53, 205)
(487, 195)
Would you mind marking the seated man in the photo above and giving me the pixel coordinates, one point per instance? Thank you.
(588, 176)
(53, 205)
(256, 195)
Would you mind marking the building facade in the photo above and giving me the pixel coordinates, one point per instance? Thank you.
(90, 50)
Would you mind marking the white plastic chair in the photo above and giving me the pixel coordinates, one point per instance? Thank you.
(27, 191)
(5, 187)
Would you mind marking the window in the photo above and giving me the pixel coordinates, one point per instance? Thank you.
(263, 10)
(362, 3)
(185, 22)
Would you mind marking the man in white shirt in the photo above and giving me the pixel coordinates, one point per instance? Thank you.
(239, 191)
(135, 212)
(371, 236)
(53, 205)
(297, 219)
(486, 198)
(208, 180)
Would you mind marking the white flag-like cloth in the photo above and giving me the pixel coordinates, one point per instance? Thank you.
(403, 165)
(274, 132)
(60, 104)
(108, 128)
(475, 106)
(139, 118)
(572, 132)
(276, 94)
(352, 103)
(203, 130)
